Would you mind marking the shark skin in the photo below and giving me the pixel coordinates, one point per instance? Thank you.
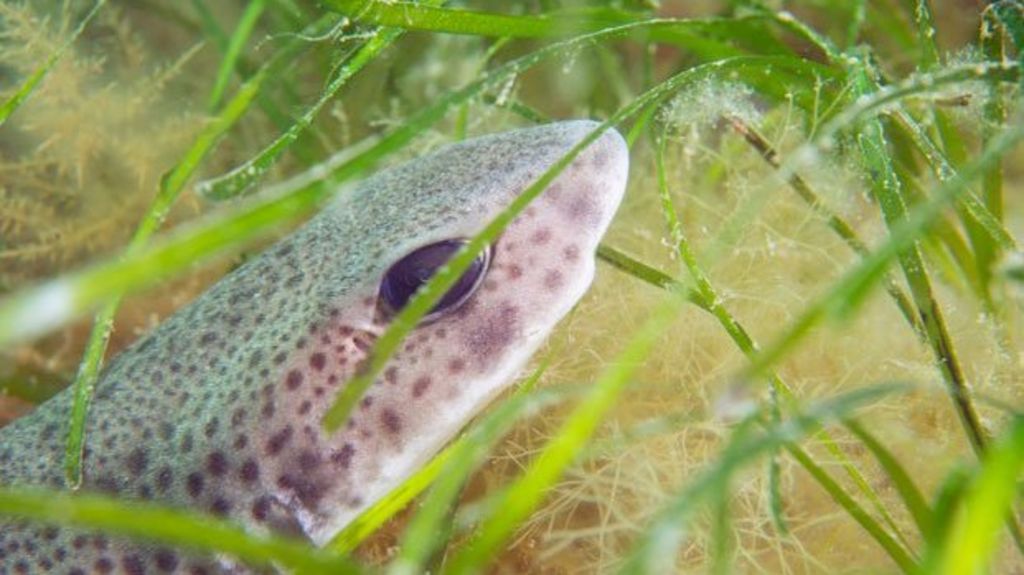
(219, 408)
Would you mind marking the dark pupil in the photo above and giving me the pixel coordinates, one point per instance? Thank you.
(408, 274)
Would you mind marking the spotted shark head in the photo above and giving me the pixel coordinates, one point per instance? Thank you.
(473, 344)
(220, 408)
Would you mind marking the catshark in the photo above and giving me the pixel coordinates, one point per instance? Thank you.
(219, 408)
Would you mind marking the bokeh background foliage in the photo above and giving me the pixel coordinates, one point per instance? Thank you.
(802, 354)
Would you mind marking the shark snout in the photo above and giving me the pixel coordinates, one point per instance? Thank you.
(588, 192)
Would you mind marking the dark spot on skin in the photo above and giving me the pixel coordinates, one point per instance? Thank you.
(103, 565)
(571, 252)
(217, 463)
(514, 271)
(277, 441)
(582, 208)
(366, 402)
(166, 560)
(317, 361)
(211, 427)
(195, 483)
(294, 379)
(164, 478)
(268, 409)
(280, 358)
(541, 236)
(132, 565)
(494, 333)
(309, 461)
(186, 443)
(343, 457)
(391, 421)
(420, 386)
(456, 365)
(220, 506)
(106, 484)
(305, 407)
(237, 417)
(208, 338)
(250, 471)
(136, 461)
(391, 375)
(308, 491)
(552, 279)
(261, 508)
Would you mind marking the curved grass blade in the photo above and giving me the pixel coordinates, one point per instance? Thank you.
(433, 290)
(711, 38)
(847, 293)
(747, 345)
(36, 310)
(246, 24)
(431, 527)
(244, 177)
(518, 500)
(859, 110)
(836, 223)
(443, 468)
(171, 186)
(992, 37)
(1011, 15)
(886, 187)
(903, 559)
(986, 502)
(949, 496)
(778, 387)
(905, 486)
(654, 552)
(30, 83)
(167, 525)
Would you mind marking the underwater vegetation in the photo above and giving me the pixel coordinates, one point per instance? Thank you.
(802, 352)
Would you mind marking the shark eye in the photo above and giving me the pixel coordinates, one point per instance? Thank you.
(408, 274)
